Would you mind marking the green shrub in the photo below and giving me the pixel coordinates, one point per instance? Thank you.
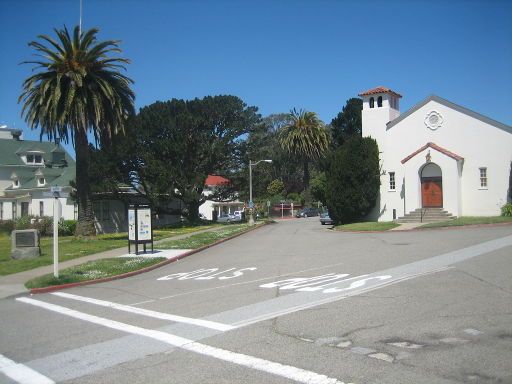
(276, 187)
(294, 197)
(353, 180)
(67, 227)
(44, 225)
(506, 210)
(23, 222)
(6, 226)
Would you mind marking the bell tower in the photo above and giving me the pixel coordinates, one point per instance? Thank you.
(380, 106)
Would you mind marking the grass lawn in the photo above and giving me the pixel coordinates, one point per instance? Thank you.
(367, 226)
(92, 270)
(469, 220)
(71, 247)
(201, 239)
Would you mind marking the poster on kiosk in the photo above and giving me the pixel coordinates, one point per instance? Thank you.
(139, 227)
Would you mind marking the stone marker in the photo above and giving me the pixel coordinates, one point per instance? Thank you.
(25, 244)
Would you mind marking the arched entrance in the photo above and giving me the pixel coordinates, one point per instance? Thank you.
(431, 186)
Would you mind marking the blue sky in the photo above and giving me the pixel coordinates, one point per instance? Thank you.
(278, 55)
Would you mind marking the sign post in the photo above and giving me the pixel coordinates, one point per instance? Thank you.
(56, 193)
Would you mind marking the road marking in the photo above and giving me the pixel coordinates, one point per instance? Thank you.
(147, 312)
(206, 274)
(286, 371)
(21, 373)
(287, 306)
(241, 283)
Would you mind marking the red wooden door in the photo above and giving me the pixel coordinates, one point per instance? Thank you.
(432, 193)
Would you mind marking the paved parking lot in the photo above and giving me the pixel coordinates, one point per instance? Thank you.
(290, 302)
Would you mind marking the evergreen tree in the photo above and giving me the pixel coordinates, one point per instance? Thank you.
(353, 180)
(348, 122)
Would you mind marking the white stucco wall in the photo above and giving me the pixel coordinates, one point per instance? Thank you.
(480, 144)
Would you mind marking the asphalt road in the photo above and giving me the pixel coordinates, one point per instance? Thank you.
(289, 302)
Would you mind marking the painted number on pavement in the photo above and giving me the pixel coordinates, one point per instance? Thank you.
(208, 274)
(329, 283)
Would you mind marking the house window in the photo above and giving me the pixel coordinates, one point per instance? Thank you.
(24, 209)
(15, 183)
(483, 177)
(14, 211)
(34, 159)
(41, 208)
(379, 102)
(1, 211)
(372, 102)
(41, 181)
(392, 184)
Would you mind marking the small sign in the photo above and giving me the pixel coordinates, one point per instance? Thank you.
(131, 224)
(144, 223)
(55, 189)
(251, 204)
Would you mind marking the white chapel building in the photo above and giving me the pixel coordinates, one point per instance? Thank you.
(437, 155)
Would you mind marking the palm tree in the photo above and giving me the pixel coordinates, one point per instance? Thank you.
(305, 137)
(78, 90)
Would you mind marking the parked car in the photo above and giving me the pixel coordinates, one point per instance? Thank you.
(228, 218)
(307, 212)
(325, 219)
(225, 218)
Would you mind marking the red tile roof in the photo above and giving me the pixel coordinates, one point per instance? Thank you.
(437, 148)
(379, 89)
(216, 180)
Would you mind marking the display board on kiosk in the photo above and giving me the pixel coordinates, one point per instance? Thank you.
(140, 228)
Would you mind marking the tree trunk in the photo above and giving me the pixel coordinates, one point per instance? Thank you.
(305, 179)
(85, 223)
(193, 211)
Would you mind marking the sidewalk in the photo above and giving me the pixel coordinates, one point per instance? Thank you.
(14, 284)
(406, 226)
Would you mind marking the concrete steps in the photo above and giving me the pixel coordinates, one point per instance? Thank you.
(426, 215)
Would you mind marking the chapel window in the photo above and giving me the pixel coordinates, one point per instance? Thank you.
(41, 208)
(372, 102)
(379, 102)
(483, 177)
(392, 183)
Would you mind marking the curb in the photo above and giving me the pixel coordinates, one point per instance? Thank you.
(52, 288)
(449, 227)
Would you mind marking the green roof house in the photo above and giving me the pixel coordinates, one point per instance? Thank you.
(28, 169)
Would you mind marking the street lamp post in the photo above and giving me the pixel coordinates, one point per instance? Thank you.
(251, 203)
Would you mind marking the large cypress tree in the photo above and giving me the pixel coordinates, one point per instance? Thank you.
(353, 180)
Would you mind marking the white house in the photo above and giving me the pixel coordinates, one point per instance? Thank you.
(437, 155)
(28, 169)
(221, 207)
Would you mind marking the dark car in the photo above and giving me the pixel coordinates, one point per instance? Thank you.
(325, 219)
(307, 212)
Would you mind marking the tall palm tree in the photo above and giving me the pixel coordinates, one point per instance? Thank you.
(306, 138)
(78, 90)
